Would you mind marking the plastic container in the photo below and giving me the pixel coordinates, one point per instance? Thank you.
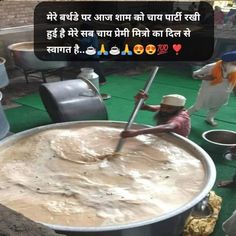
(89, 74)
(4, 125)
(3, 74)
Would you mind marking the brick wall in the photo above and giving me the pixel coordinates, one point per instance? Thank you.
(16, 13)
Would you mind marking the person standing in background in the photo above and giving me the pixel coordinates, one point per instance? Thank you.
(218, 16)
(218, 81)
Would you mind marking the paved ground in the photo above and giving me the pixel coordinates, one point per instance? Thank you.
(18, 87)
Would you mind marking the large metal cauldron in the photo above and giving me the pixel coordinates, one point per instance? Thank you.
(169, 224)
(24, 57)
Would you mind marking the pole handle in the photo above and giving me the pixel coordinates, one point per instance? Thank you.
(137, 107)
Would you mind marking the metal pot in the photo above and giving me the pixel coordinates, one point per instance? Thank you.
(24, 57)
(218, 140)
(168, 224)
(72, 100)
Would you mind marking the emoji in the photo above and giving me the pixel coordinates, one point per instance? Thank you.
(90, 51)
(138, 49)
(115, 51)
(162, 49)
(150, 49)
(102, 50)
(126, 51)
(177, 48)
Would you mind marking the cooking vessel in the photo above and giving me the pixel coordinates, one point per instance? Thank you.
(72, 100)
(24, 57)
(218, 140)
(168, 224)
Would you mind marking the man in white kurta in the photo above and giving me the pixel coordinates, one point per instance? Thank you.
(212, 96)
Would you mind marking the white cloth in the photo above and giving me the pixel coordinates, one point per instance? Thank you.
(212, 96)
(229, 226)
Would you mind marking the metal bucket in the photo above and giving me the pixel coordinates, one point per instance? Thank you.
(168, 224)
(24, 57)
(4, 125)
(218, 140)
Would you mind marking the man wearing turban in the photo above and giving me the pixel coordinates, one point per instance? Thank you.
(219, 79)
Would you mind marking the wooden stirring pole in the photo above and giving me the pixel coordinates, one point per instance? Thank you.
(136, 109)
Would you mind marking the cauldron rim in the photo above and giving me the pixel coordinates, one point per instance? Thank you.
(204, 136)
(208, 164)
(2, 60)
(14, 46)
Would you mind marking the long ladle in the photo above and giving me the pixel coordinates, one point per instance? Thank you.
(131, 119)
(136, 109)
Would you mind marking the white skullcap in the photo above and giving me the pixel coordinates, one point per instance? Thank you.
(174, 100)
